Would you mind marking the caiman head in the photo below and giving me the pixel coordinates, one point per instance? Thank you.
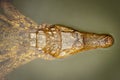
(60, 41)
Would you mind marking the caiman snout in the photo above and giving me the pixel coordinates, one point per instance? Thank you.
(107, 41)
(97, 40)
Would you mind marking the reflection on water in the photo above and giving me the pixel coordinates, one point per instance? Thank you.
(86, 15)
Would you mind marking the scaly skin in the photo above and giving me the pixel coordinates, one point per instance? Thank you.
(22, 40)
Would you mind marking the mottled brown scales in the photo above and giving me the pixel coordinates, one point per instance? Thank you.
(22, 40)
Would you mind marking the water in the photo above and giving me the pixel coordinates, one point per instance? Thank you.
(85, 15)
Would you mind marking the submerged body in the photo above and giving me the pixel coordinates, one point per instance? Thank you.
(23, 40)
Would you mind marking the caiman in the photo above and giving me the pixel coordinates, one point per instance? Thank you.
(23, 40)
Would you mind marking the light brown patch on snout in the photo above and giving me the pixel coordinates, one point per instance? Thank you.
(108, 41)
